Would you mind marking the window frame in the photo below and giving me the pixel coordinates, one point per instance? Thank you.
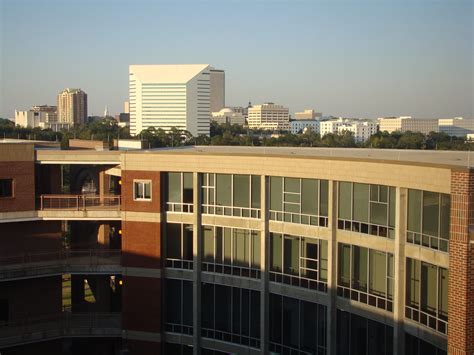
(143, 182)
(12, 188)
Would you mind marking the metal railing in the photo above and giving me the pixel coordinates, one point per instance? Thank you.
(230, 337)
(230, 211)
(299, 218)
(428, 320)
(57, 262)
(366, 228)
(365, 297)
(179, 328)
(80, 202)
(179, 207)
(298, 281)
(240, 271)
(40, 328)
(179, 264)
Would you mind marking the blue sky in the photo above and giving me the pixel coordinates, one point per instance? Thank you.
(345, 58)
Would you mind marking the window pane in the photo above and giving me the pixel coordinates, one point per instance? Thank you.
(378, 272)
(207, 305)
(309, 196)
(173, 301)
(255, 249)
(309, 260)
(208, 244)
(275, 246)
(6, 187)
(445, 216)
(443, 293)
(323, 260)
(223, 189)
(227, 246)
(429, 288)
(359, 268)
(138, 190)
(324, 196)
(255, 191)
(413, 283)
(345, 200)
(187, 303)
(219, 241)
(223, 307)
(174, 187)
(173, 241)
(392, 206)
(292, 185)
(378, 213)
(430, 213)
(291, 327)
(187, 188)
(309, 315)
(291, 255)
(361, 202)
(276, 193)
(344, 261)
(414, 210)
(187, 242)
(241, 253)
(242, 190)
(147, 190)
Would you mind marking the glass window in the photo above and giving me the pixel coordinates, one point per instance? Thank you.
(445, 214)
(142, 190)
(345, 198)
(361, 202)
(414, 210)
(430, 213)
(291, 253)
(359, 268)
(188, 188)
(276, 193)
(241, 190)
(344, 265)
(173, 241)
(443, 293)
(256, 191)
(429, 280)
(378, 272)
(276, 255)
(227, 246)
(6, 187)
(208, 244)
(174, 187)
(309, 196)
(324, 186)
(223, 189)
(241, 257)
(255, 237)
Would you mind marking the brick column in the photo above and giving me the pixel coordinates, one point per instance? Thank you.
(461, 265)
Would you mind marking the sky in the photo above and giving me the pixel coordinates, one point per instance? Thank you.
(352, 58)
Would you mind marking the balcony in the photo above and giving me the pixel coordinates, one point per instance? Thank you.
(28, 265)
(73, 207)
(62, 325)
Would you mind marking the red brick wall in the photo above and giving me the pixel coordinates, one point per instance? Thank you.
(23, 173)
(128, 203)
(141, 304)
(461, 265)
(35, 236)
(141, 244)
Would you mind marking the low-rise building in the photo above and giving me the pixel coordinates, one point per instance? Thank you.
(228, 116)
(408, 123)
(361, 129)
(457, 126)
(269, 117)
(308, 115)
(299, 126)
(43, 116)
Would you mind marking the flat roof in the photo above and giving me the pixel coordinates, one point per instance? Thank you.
(437, 158)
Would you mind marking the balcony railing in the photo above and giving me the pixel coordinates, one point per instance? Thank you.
(58, 262)
(80, 202)
(54, 326)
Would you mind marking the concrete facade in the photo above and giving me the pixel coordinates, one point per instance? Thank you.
(269, 117)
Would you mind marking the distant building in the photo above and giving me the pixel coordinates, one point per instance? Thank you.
(123, 117)
(126, 107)
(72, 106)
(300, 125)
(269, 117)
(457, 126)
(227, 115)
(217, 77)
(42, 116)
(408, 123)
(166, 96)
(361, 129)
(308, 115)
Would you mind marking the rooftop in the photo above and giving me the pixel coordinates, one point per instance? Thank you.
(447, 159)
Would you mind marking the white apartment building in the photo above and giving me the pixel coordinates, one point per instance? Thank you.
(361, 129)
(269, 117)
(308, 115)
(166, 96)
(42, 116)
(300, 125)
(408, 123)
(457, 126)
(227, 115)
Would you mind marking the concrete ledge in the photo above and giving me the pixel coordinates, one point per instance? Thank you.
(303, 230)
(140, 335)
(228, 347)
(141, 272)
(427, 255)
(299, 293)
(366, 311)
(176, 338)
(181, 274)
(11, 217)
(234, 222)
(108, 215)
(173, 217)
(230, 280)
(129, 216)
(426, 334)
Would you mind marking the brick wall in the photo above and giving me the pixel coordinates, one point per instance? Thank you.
(461, 265)
(128, 203)
(141, 244)
(23, 175)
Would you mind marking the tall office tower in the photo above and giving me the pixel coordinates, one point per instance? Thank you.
(166, 96)
(217, 89)
(72, 106)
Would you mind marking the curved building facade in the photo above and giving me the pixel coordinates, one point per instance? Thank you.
(291, 250)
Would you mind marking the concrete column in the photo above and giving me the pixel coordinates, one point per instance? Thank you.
(399, 270)
(197, 247)
(264, 265)
(103, 236)
(332, 269)
(104, 184)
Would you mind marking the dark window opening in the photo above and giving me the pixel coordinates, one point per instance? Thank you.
(6, 187)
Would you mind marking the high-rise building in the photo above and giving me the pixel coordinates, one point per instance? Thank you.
(166, 96)
(242, 250)
(217, 89)
(269, 117)
(72, 106)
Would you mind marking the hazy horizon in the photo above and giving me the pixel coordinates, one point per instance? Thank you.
(344, 58)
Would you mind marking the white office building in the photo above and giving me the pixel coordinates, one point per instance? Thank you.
(361, 129)
(269, 117)
(408, 123)
(228, 116)
(166, 96)
(301, 125)
(457, 126)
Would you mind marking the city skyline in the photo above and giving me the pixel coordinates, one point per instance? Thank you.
(369, 59)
